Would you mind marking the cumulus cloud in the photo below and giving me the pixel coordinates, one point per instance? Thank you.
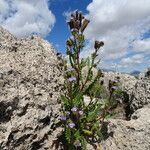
(3, 9)
(26, 17)
(135, 62)
(67, 15)
(121, 25)
(142, 45)
(136, 59)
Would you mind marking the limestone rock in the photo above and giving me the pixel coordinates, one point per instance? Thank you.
(145, 74)
(127, 81)
(137, 91)
(140, 94)
(129, 135)
(31, 82)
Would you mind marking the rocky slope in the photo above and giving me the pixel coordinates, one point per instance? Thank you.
(31, 82)
(30, 86)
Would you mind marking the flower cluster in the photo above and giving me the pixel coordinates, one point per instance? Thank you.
(71, 116)
(78, 22)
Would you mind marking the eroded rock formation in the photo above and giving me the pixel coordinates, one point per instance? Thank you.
(129, 135)
(30, 86)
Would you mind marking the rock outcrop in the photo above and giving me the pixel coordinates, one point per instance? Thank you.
(31, 82)
(135, 133)
(30, 85)
(137, 91)
(141, 94)
(129, 135)
(127, 81)
(145, 74)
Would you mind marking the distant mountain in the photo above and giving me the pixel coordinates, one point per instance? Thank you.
(107, 70)
(135, 73)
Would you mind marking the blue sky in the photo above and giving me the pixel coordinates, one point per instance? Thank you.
(124, 30)
(60, 33)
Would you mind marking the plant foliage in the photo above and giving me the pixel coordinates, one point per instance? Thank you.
(81, 121)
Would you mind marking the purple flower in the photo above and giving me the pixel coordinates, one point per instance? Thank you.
(70, 69)
(63, 118)
(67, 113)
(114, 87)
(74, 109)
(115, 81)
(81, 112)
(77, 143)
(72, 79)
(71, 125)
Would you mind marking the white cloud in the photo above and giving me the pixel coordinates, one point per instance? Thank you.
(25, 17)
(142, 45)
(3, 7)
(135, 62)
(106, 15)
(67, 14)
(136, 59)
(120, 24)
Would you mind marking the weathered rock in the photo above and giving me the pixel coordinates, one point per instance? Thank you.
(127, 81)
(140, 94)
(129, 135)
(30, 85)
(136, 91)
(31, 82)
(145, 74)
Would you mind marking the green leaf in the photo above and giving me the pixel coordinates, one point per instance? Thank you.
(78, 100)
(77, 135)
(83, 62)
(68, 134)
(95, 126)
(65, 102)
(108, 116)
(83, 143)
(91, 85)
(93, 115)
(87, 132)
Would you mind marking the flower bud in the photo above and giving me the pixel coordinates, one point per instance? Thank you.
(114, 88)
(98, 44)
(77, 15)
(69, 43)
(77, 24)
(84, 25)
(80, 17)
(73, 16)
(81, 112)
(71, 24)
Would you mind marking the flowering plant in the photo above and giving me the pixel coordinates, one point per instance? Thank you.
(82, 122)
